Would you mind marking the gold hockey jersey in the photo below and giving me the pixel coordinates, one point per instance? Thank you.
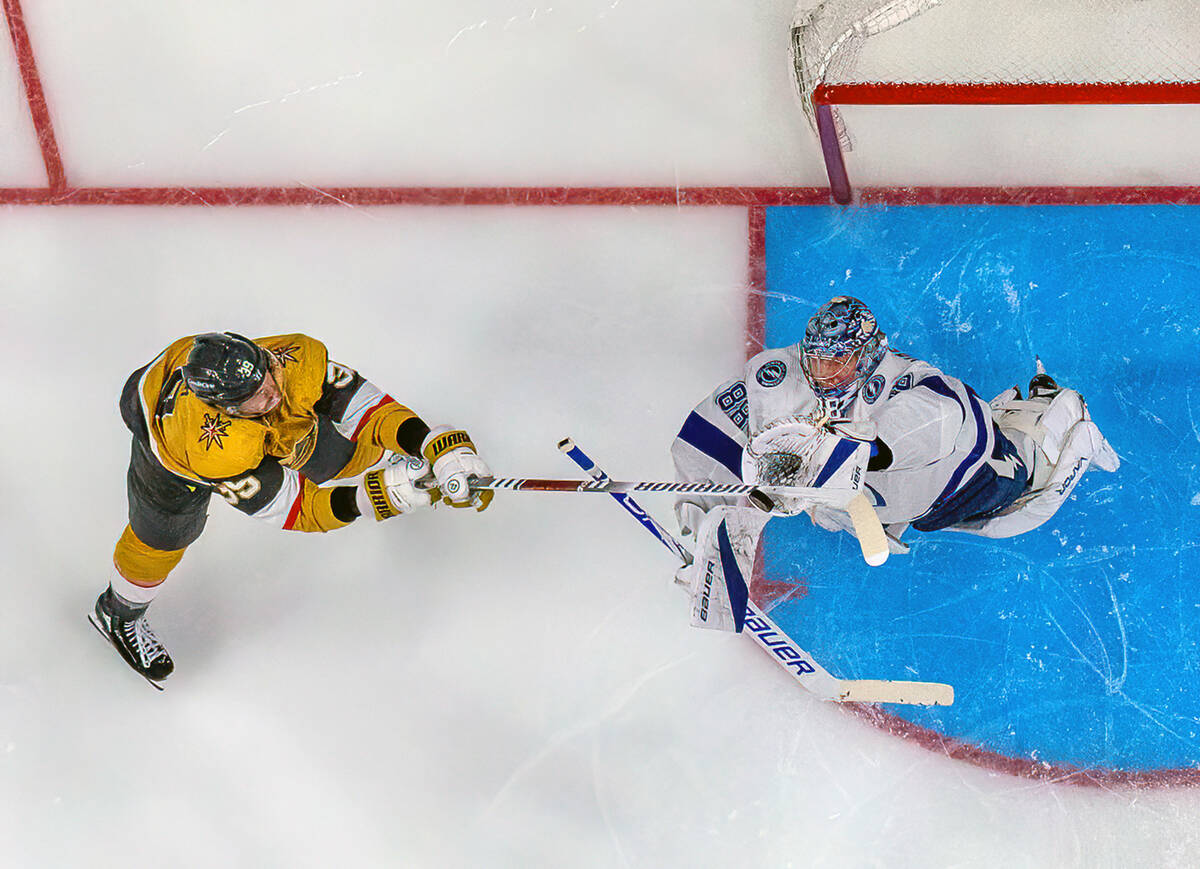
(331, 423)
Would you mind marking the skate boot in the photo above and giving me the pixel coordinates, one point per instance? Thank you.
(1043, 385)
(125, 626)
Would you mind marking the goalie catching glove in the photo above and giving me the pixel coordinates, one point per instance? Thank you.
(808, 452)
(452, 456)
(391, 491)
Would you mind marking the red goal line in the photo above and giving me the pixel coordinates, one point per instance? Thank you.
(1007, 93)
(826, 96)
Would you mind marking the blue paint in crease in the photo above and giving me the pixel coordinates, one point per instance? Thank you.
(1078, 643)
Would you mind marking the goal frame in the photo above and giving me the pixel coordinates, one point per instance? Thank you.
(827, 96)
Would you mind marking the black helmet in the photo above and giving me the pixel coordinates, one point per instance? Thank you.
(224, 368)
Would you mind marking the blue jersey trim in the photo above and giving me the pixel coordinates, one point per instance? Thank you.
(936, 384)
(844, 450)
(735, 583)
(714, 443)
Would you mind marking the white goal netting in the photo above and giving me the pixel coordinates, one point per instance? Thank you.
(965, 42)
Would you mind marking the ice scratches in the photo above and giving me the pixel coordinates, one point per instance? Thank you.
(566, 735)
(601, 15)
(299, 92)
(337, 199)
(463, 32)
(215, 139)
(964, 256)
(513, 20)
(1192, 416)
(1113, 682)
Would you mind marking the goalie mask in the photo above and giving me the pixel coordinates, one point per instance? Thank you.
(842, 346)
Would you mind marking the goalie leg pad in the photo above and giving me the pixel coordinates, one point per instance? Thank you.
(1042, 426)
(1082, 447)
(719, 586)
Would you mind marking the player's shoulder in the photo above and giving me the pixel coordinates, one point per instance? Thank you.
(894, 380)
(904, 385)
(210, 444)
(773, 366)
(304, 361)
(295, 350)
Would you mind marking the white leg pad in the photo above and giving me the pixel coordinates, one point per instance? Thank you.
(1077, 449)
(719, 577)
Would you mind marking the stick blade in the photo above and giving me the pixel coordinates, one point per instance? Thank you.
(885, 691)
(871, 537)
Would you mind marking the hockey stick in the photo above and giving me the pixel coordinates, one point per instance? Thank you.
(811, 675)
(610, 487)
(868, 530)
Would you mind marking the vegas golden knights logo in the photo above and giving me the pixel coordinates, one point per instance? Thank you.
(213, 429)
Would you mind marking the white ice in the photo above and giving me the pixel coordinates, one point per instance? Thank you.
(513, 689)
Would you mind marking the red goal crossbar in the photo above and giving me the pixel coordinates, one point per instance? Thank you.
(826, 96)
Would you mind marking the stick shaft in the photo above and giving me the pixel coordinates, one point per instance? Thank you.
(632, 507)
(811, 675)
(609, 487)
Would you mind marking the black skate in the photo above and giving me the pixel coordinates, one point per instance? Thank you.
(125, 626)
(1043, 385)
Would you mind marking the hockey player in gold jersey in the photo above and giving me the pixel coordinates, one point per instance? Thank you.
(262, 423)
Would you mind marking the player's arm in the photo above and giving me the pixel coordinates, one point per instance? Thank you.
(364, 413)
(709, 447)
(284, 498)
(917, 428)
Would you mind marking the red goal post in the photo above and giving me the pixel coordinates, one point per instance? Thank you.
(987, 52)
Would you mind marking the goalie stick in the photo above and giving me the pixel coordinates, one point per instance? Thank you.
(868, 530)
(811, 675)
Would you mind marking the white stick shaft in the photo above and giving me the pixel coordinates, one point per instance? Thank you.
(817, 680)
(812, 676)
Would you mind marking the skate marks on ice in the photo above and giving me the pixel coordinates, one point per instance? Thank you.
(1072, 647)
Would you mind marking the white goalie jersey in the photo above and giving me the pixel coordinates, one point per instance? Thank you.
(938, 432)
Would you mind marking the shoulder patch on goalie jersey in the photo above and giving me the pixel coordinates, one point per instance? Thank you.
(771, 374)
(873, 388)
(905, 381)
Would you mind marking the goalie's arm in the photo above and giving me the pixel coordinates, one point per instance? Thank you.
(823, 456)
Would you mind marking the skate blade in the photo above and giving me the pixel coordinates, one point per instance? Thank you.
(95, 624)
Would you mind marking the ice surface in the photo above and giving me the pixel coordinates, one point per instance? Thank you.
(514, 689)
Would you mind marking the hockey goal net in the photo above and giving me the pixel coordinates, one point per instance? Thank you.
(988, 52)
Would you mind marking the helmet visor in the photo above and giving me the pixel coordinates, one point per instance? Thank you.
(832, 374)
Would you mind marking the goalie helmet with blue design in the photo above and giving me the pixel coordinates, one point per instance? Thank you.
(842, 346)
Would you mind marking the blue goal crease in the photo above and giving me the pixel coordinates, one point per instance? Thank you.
(978, 292)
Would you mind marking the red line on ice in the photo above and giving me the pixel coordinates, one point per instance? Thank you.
(748, 197)
(756, 282)
(1021, 766)
(443, 196)
(35, 96)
